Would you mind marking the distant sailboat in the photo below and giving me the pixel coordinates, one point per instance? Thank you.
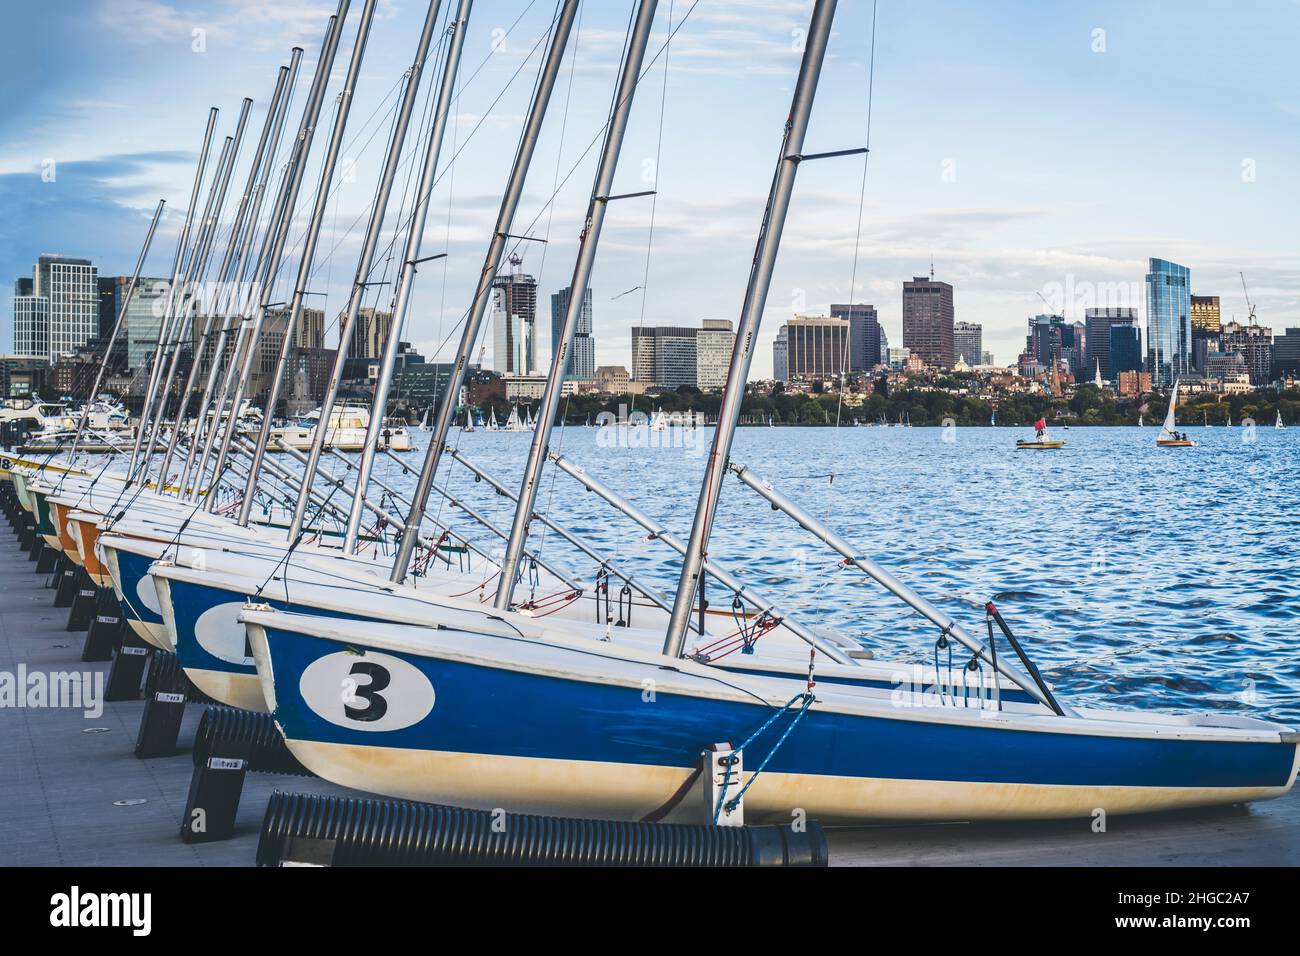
(993, 419)
(424, 423)
(1278, 423)
(469, 421)
(1169, 436)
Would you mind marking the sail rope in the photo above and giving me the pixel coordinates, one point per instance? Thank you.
(804, 700)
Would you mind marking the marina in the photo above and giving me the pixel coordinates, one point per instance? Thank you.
(264, 618)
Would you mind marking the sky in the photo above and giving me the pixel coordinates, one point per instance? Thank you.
(1027, 149)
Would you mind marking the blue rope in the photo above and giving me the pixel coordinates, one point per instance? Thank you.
(807, 697)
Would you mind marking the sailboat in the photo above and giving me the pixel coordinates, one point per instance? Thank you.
(1169, 437)
(469, 420)
(1278, 424)
(424, 422)
(452, 699)
(553, 718)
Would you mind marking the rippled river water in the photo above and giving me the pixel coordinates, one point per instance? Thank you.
(1136, 576)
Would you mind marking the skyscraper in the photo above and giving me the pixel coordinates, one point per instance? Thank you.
(664, 355)
(369, 333)
(968, 341)
(1098, 322)
(928, 321)
(1254, 343)
(143, 320)
(1206, 328)
(581, 363)
(31, 321)
(816, 347)
(864, 334)
(781, 356)
(1286, 354)
(72, 289)
(713, 344)
(1125, 348)
(1169, 321)
(514, 321)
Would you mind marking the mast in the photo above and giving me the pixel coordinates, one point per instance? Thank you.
(263, 161)
(590, 239)
(308, 256)
(405, 283)
(231, 245)
(243, 356)
(496, 248)
(243, 234)
(183, 305)
(181, 242)
(117, 326)
(366, 260)
(760, 278)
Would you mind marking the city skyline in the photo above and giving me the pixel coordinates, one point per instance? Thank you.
(954, 175)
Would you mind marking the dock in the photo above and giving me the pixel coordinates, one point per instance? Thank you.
(74, 793)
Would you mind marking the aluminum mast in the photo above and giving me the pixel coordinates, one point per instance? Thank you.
(308, 256)
(760, 278)
(590, 239)
(181, 242)
(368, 247)
(496, 248)
(406, 281)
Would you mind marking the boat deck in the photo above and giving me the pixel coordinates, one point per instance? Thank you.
(65, 774)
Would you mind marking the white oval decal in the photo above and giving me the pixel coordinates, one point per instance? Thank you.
(371, 691)
(147, 595)
(220, 632)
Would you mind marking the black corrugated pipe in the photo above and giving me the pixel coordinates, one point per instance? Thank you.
(338, 831)
(231, 732)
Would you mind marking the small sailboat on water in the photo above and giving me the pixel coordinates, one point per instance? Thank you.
(1169, 437)
(1041, 441)
(1278, 424)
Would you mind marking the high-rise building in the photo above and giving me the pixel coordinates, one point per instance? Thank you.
(928, 321)
(1206, 328)
(581, 363)
(664, 355)
(817, 347)
(1169, 321)
(1254, 343)
(143, 320)
(1286, 354)
(1097, 323)
(713, 344)
(369, 333)
(864, 334)
(1124, 348)
(1052, 339)
(31, 321)
(968, 341)
(781, 356)
(514, 321)
(71, 287)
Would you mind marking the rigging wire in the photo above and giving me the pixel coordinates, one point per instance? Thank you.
(857, 242)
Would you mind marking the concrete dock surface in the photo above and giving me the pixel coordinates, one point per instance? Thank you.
(72, 792)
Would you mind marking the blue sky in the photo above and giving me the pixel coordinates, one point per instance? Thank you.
(1013, 142)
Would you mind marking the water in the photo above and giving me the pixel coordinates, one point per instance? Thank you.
(1136, 577)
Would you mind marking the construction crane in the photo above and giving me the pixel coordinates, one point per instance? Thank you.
(1249, 305)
